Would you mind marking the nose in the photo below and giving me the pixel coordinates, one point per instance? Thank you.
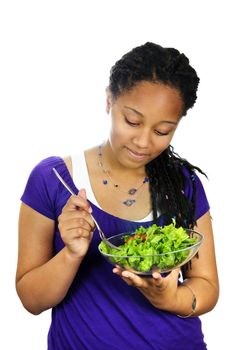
(142, 139)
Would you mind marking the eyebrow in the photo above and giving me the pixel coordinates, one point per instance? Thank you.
(141, 115)
(134, 110)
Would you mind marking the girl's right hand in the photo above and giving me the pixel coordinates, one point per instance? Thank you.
(76, 225)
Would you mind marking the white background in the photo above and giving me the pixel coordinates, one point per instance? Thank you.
(54, 67)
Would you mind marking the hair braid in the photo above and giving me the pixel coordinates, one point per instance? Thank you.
(156, 64)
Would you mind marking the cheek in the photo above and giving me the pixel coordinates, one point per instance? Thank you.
(118, 133)
(117, 138)
(161, 143)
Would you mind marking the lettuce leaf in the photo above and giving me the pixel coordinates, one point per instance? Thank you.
(139, 251)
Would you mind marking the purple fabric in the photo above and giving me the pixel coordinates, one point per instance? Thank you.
(100, 312)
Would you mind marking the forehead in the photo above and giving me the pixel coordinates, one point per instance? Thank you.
(153, 98)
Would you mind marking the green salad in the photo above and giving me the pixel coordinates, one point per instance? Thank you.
(152, 246)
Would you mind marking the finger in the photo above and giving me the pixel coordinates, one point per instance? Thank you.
(82, 193)
(117, 270)
(79, 202)
(78, 222)
(79, 233)
(133, 279)
(158, 279)
(125, 279)
(175, 274)
(76, 219)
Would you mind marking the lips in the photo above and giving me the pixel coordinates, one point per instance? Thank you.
(137, 155)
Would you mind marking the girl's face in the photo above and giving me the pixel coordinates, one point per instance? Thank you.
(143, 122)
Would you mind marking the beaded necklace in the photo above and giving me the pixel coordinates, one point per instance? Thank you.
(132, 191)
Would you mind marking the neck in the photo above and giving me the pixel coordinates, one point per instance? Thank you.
(132, 188)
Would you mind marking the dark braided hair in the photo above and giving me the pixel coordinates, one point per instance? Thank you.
(167, 173)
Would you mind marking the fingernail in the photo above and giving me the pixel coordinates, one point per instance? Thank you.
(90, 210)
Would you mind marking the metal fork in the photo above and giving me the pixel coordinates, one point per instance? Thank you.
(101, 234)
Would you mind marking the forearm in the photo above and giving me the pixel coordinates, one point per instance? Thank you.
(180, 303)
(45, 286)
(206, 294)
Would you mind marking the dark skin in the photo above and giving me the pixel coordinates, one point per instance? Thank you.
(143, 122)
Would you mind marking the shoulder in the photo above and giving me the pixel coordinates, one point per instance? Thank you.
(42, 175)
(43, 170)
(194, 190)
(191, 178)
(41, 186)
(43, 191)
(68, 162)
(48, 163)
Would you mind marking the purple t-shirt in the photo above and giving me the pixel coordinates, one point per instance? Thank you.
(100, 311)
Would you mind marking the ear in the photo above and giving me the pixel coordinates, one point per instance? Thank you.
(108, 100)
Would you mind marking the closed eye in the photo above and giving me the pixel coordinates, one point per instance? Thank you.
(131, 123)
(161, 133)
(157, 132)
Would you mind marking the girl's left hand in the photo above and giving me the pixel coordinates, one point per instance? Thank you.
(160, 291)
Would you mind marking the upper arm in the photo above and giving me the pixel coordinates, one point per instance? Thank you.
(204, 266)
(35, 242)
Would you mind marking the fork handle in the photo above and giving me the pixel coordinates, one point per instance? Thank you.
(71, 191)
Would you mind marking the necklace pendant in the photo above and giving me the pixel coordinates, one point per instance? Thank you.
(132, 191)
(129, 202)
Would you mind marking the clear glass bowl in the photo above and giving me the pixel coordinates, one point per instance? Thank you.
(162, 263)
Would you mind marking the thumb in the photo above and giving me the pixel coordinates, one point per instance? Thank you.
(174, 275)
(157, 278)
(82, 193)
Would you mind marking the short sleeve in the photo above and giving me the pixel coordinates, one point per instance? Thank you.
(202, 204)
(41, 189)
